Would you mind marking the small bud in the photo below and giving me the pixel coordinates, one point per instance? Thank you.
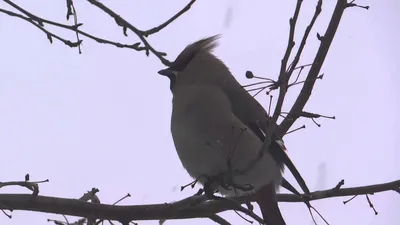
(249, 74)
(319, 37)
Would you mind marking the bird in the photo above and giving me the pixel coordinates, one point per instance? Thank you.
(219, 128)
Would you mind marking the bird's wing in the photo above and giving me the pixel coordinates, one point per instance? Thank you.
(251, 113)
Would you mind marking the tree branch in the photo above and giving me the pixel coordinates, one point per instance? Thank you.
(196, 206)
(125, 24)
(283, 79)
(172, 19)
(32, 18)
(49, 34)
(193, 207)
(319, 59)
(39, 23)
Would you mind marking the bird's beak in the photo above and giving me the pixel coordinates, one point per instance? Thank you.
(165, 72)
(168, 73)
(171, 74)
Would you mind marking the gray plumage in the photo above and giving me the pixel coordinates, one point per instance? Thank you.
(214, 119)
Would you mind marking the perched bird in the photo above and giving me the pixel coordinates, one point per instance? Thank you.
(218, 128)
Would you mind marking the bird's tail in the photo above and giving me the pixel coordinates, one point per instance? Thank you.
(266, 199)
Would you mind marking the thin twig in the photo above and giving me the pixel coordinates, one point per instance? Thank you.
(283, 79)
(74, 28)
(124, 23)
(172, 19)
(37, 21)
(49, 34)
(126, 196)
(303, 43)
(76, 23)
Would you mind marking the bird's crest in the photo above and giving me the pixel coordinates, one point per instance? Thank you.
(204, 45)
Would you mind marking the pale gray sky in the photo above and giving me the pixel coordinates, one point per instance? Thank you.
(101, 119)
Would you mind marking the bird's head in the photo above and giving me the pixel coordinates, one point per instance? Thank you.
(197, 65)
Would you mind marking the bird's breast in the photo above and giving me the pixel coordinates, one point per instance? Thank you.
(210, 140)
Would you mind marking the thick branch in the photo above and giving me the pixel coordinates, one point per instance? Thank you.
(192, 208)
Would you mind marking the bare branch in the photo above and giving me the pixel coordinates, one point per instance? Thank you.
(349, 200)
(370, 204)
(49, 34)
(125, 24)
(172, 19)
(283, 79)
(121, 199)
(72, 11)
(352, 4)
(198, 205)
(315, 68)
(296, 129)
(194, 209)
(296, 59)
(33, 186)
(39, 23)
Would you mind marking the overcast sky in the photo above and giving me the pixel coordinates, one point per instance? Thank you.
(102, 119)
